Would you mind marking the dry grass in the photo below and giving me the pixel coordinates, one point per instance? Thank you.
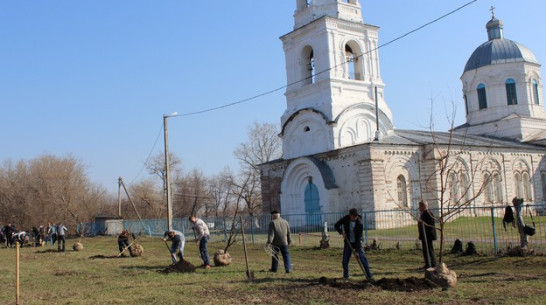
(72, 277)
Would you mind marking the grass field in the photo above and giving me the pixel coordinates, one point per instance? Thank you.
(50, 277)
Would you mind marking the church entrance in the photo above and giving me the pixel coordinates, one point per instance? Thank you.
(313, 215)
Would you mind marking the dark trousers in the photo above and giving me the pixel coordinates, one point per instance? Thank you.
(430, 259)
(285, 258)
(347, 253)
(60, 240)
(203, 250)
(122, 244)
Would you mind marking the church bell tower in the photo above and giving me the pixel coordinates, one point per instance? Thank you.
(335, 92)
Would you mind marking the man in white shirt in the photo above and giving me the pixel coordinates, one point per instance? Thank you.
(202, 235)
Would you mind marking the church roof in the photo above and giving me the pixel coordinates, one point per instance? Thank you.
(423, 137)
(499, 51)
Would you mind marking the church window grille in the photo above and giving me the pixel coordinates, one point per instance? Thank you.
(535, 92)
(511, 94)
(402, 191)
(482, 97)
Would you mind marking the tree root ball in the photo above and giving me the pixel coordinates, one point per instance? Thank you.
(221, 259)
(442, 276)
(77, 246)
(137, 250)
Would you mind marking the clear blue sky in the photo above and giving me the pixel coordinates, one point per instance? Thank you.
(94, 78)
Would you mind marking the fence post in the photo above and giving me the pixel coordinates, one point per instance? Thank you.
(365, 228)
(225, 230)
(252, 228)
(494, 231)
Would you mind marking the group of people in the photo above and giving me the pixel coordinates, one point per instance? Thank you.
(37, 236)
(351, 228)
(178, 241)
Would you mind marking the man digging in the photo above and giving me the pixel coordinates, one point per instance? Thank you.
(178, 241)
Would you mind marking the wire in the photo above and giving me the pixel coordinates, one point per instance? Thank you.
(149, 155)
(328, 69)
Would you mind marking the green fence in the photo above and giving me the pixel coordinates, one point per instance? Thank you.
(388, 229)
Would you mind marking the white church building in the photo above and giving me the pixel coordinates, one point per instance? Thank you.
(340, 147)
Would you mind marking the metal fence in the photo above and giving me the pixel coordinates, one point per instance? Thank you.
(388, 229)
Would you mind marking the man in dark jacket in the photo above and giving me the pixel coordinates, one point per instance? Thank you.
(124, 242)
(427, 234)
(351, 228)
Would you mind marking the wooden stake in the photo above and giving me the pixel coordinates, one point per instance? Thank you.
(17, 273)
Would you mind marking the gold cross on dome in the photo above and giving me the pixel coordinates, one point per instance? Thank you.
(492, 9)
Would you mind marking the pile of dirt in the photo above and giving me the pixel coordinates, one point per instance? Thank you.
(182, 266)
(100, 256)
(391, 284)
(409, 284)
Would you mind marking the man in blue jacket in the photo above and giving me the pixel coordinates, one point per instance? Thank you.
(178, 242)
(351, 228)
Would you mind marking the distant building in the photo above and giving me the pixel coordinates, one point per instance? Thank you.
(341, 150)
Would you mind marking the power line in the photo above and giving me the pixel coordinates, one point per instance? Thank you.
(328, 69)
(304, 79)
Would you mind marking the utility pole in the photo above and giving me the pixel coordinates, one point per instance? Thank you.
(119, 196)
(167, 171)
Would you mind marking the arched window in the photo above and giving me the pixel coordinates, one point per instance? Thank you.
(511, 94)
(496, 188)
(308, 66)
(354, 63)
(526, 181)
(543, 180)
(453, 187)
(488, 188)
(518, 185)
(464, 187)
(402, 191)
(465, 104)
(535, 91)
(482, 97)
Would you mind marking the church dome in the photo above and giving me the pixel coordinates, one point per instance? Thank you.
(498, 49)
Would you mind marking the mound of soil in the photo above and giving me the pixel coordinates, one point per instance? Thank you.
(393, 284)
(100, 256)
(408, 284)
(48, 251)
(182, 266)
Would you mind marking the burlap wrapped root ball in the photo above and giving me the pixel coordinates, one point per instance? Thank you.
(137, 250)
(221, 259)
(77, 246)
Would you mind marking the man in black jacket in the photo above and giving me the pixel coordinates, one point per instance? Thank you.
(427, 234)
(351, 228)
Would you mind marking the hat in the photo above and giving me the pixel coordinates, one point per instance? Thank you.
(274, 212)
(353, 212)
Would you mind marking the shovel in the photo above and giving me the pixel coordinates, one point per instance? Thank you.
(173, 257)
(249, 274)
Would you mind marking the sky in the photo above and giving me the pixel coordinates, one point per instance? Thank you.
(93, 78)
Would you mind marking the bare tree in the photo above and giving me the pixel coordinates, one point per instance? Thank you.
(263, 145)
(49, 188)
